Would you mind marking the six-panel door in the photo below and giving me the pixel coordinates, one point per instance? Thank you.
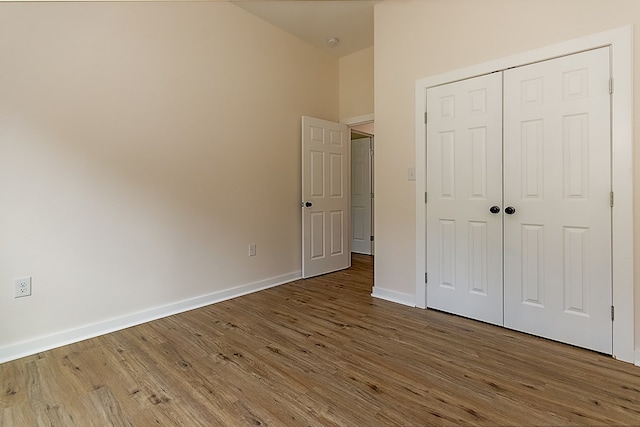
(464, 180)
(553, 195)
(557, 177)
(361, 231)
(325, 197)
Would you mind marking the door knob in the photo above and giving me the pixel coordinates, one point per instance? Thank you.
(308, 204)
(509, 210)
(494, 209)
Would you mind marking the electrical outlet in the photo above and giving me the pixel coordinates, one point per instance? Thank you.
(22, 287)
(252, 249)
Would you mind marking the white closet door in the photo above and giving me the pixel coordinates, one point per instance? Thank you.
(464, 180)
(557, 247)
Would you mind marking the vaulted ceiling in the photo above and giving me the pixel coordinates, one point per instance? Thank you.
(317, 21)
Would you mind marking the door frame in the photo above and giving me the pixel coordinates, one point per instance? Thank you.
(620, 40)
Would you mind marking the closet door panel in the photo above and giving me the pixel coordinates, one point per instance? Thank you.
(557, 246)
(464, 179)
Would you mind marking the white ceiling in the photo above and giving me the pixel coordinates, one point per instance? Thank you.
(315, 21)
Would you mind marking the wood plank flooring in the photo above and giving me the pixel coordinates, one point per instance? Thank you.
(318, 352)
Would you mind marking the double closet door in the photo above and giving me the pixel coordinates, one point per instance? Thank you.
(519, 199)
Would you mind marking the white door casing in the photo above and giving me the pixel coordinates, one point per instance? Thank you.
(361, 208)
(325, 197)
(557, 247)
(464, 180)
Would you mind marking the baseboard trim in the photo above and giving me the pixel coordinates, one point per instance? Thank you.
(637, 358)
(59, 339)
(394, 296)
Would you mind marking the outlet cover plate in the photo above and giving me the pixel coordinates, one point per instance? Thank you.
(22, 287)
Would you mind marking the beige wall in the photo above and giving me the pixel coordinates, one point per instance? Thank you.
(356, 84)
(143, 147)
(417, 39)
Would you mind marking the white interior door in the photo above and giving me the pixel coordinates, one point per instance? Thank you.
(464, 180)
(557, 177)
(361, 232)
(325, 197)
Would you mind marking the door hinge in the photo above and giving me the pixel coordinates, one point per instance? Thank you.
(425, 197)
(371, 194)
(425, 117)
(425, 278)
(371, 238)
(612, 313)
(611, 85)
(611, 199)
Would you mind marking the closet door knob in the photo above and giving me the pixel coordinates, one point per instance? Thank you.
(509, 210)
(494, 209)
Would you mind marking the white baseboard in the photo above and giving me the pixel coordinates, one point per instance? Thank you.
(27, 348)
(394, 296)
(637, 358)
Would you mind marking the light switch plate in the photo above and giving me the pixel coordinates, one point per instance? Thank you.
(411, 174)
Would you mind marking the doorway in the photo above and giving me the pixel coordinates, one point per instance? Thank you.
(329, 233)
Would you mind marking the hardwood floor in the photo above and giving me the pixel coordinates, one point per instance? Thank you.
(318, 352)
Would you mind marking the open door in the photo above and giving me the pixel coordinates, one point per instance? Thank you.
(326, 203)
(361, 195)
